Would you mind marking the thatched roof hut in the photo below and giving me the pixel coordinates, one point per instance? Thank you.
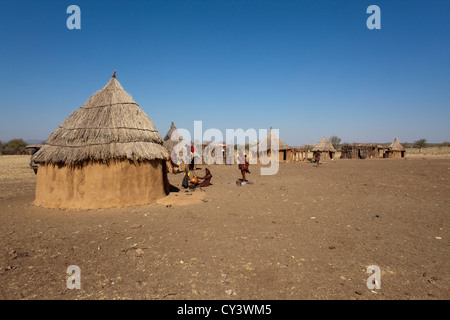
(172, 137)
(396, 146)
(395, 150)
(325, 148)
(285, 152)
(178, 155)
(107, 153)
(272, 135)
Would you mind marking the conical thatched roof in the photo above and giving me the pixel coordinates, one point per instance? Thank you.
(173, 132)
(324, 145)
(281, 144)
(396, 146)
(110, 125)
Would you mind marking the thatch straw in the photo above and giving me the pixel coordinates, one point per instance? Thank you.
(110, 125)
(396, 146)
(281, 144)
(172, 138)
(324, 145)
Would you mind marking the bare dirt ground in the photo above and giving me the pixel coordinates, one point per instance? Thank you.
(305, 233)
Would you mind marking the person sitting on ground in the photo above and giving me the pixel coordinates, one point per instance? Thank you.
(206, 179)
(185, 182)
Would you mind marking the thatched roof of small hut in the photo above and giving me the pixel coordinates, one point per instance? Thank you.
(110, 125)
(281, 144)
(324, 145)
(396, 146)
(172, 137)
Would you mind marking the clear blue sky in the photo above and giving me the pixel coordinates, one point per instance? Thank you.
(309, 68)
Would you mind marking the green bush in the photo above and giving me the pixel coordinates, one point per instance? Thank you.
(15, 144)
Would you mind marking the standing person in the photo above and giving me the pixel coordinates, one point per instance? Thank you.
(191, 165)
(317, 158)
(243, 164)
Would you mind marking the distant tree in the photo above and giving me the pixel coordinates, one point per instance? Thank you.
(406, 145)
(335, 141)
(422, 143)
(1, 144)
(15, 144)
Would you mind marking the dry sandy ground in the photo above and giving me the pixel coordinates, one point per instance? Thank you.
(305, 233)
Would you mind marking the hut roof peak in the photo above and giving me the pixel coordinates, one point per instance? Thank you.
(281, 144)
(396, 146)
(324, 145)
(170, 143)
(109, 125)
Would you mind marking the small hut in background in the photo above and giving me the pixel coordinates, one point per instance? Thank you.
(325, 148)
(395, 150)
(360, 151)
(284, 151)
(107, 153)
(172, 139)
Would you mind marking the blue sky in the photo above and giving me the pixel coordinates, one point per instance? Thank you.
(309, 68)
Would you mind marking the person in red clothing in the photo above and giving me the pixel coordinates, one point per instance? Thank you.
(243, 164)
(191, 165)
(317, 158)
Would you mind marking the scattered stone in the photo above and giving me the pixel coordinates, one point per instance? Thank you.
(10, 268)
(139, 252)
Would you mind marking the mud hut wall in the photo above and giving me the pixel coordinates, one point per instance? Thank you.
(394, 154)
(95, 185)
